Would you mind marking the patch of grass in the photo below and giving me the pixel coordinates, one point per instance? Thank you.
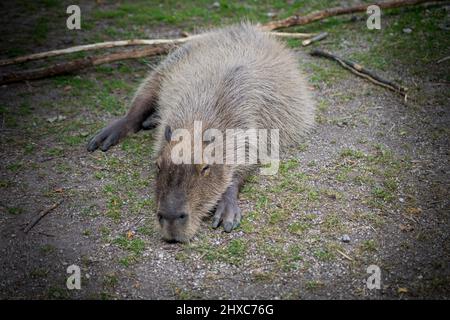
(105, 232)
(127, 260)
(14, 210)
(236, 249)
(114, 207)
(233, 253)
(382, 193)
(146, 230)
(324, 254)
(248, 222)
(369, 246)
(313, 285)
(299, 227)
(14, 167)
(332, 223)
(74, 140)
(353, 154)
(325, 72)
(29, 148)
(5, 183)
(277, 215)
(110, 281)
(39, 273)
(291, 260)
(135, 245)
(138, 146)
(262, 202)
(47, 248)
(372, 218)
(110, 103)
(24, 109)
(55, 151)
(286, 167)
(183, 294)
(89, 210)
(313, 195)
(57, 293)
(41, 29)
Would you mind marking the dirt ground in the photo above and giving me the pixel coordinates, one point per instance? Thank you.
(369, 186)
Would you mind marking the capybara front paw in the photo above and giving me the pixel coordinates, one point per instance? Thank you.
(227, 213)
(108, 136)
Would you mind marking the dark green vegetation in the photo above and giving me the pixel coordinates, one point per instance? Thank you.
(365, 171)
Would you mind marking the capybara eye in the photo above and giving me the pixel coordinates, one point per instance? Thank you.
(205, 170)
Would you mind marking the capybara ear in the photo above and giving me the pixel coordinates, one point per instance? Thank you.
(168, 133)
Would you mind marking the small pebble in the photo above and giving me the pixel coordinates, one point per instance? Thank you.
(345, 238)
(216, 4)
(407, 30)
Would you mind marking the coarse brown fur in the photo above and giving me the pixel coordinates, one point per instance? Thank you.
(236, 77)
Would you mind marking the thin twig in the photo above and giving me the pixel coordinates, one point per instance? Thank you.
(319, 37)
(42, 215)
(94, 46)
(344, 255)
(297, 20)
(362, 72)
(442, 60)
(79, 64)
(133, 42)
(292, 35)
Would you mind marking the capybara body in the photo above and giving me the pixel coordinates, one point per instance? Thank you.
(233, 78)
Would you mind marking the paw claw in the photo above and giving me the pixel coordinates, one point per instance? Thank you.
(108, 136)
(227, 213)
(228, 226)
(215, 223)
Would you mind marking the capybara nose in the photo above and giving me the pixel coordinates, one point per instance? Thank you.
(172, 216)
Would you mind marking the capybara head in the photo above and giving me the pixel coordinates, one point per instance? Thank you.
(185, 193)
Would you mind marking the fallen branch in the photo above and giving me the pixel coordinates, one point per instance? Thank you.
(297, 20)
(124, 43)
(319, 37)
(42, 215)
(295, 35)
(362, 72)
(442, 60)
(78, 64)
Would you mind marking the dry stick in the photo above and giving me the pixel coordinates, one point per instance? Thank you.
(319, 37)
(297, 20)
(442, 60)
(292, 35)
(362, 72)
(123, 43)
(93, 46)
(344, 255)
(75, 65)
(42, 215)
